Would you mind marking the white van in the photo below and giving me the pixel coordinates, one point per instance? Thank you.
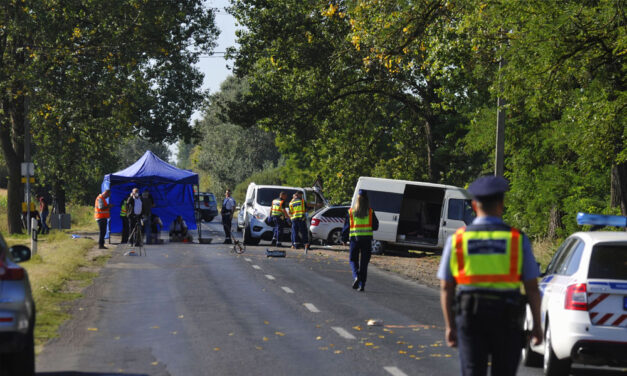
(415, 214)
(257, 205)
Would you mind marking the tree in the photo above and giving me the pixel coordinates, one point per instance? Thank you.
(229, 153)
(87, 74)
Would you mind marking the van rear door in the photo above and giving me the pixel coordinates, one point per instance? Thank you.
(386, 202)
(456, 212)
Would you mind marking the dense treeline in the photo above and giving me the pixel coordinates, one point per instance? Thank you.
(407, 89)
(87, 76)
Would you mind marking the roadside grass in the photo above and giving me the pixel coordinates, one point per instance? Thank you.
(62, 267)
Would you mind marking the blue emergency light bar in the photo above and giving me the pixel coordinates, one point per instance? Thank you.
(601, 220)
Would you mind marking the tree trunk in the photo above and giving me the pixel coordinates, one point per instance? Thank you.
(59, 194)
(429, 150)
(615, 196)
(12, 141)
(555, 222)
(619, 172)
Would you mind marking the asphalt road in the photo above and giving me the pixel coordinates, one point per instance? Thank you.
(195, 309)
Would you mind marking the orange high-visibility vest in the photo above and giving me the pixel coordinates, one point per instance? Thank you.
(101, 208)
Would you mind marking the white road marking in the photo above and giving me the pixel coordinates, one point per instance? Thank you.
(257, 267)
(287, 290)
(247, 259)
(394, 371)
(311, 307)
(342, 332)
(270, 277)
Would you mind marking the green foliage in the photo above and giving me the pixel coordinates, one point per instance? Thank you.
(133, 148)
(269, 176)
(226, 153)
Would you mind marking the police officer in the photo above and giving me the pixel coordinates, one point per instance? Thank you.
(228, 208)
(101, 214)
(278, 217)
(486, 262)
(359, 224)
(124, 218)
(298, 211)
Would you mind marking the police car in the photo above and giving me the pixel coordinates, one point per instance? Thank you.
(584, 301)
(327, 224)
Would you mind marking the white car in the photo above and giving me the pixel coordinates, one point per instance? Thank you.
(327, 224)
(584, 302)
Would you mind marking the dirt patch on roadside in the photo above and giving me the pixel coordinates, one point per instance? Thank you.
(420, 266)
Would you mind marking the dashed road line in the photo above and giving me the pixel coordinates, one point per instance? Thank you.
(247, 259)
(394, 371)
(343, 332)
(270, 277)
(311, 307)
(257, 267)
(287, 290)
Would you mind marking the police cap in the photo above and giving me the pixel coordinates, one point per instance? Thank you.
(363, 192)
(488, 187)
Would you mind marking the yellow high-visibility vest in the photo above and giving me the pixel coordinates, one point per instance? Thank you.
(360, 226)
(491, 259)
(297, 208)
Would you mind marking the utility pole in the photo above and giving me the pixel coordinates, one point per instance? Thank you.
(500, 132)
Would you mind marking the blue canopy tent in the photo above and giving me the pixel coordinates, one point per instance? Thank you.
(172, 190)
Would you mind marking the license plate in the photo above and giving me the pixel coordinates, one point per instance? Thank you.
(286, 230)
(625, 303)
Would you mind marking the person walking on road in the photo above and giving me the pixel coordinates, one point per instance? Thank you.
(124, 218)
(278, 217)
(101, 214)
(487, 262)
(298, 215)
(43, 213)
(134, 208)
(359, 224)
(228, 208)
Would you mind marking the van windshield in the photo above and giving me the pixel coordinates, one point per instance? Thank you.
(266, 195)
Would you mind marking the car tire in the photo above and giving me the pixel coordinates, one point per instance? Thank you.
(248, 240)
(552, 365)
(377, 247)
(335, 237)
(21, 363)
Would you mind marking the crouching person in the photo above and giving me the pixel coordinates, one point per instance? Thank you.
(178, 231)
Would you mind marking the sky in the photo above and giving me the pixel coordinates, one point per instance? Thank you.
(215, 67)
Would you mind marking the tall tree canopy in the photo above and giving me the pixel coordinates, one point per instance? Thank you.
(89, 73)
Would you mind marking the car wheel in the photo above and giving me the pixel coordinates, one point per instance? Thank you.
(552, 365)
(21, 363)
(377, 247)
(335, 237)
(248, 240)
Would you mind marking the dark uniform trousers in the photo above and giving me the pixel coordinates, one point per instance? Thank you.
(102, 227)
(227, 221)
(299, 227)
(359, 256)
(278, 223)
(124, 229)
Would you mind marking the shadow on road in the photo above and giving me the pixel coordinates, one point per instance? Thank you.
(75, 373)
(597, 372)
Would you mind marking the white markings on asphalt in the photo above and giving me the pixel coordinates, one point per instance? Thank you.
(342, 332)
(270, 277)
(394, 371)
(287, 290)
(311, 307)
(257, 267)
(247, 259)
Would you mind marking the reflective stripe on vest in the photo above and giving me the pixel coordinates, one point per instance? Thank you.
(491, 259)
(360, 226)
(123, 209)
(101, 213)
(277, 208)
(297, 208)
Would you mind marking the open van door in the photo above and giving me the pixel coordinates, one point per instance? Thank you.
(456, 212)
(386, 200)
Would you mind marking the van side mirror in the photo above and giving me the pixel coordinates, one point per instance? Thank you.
(249, 202)
(20, 253)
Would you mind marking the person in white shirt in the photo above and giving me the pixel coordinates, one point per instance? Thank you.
(228, 208)
(134, 207)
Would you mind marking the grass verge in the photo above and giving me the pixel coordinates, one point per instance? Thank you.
(59, 261)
